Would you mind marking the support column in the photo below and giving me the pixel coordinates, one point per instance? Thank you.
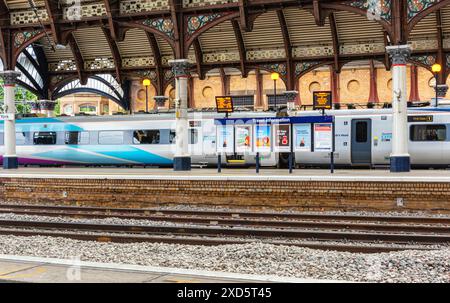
(373, 94)
(400, 159)
(48, 107)
(335, 85)
(414, 93)
(259, 88)
(182, 159)
(10, 160)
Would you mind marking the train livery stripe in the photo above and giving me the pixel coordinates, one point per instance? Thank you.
(128, 153)
(104, 155)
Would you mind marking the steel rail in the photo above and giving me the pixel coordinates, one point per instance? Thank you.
(240, 221)
(237, 231)
(240, 214)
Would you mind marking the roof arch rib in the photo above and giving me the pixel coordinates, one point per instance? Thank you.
(241, 47)
(102, 84)
(288, 49)
(115, 53)
(79, 61)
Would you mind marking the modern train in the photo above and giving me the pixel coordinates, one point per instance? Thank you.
(362, 138)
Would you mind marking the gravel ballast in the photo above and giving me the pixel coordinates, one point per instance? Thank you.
(253, 258)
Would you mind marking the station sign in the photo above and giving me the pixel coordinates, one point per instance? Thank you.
(282, 138)
(302, 137)
(224, 104)
(7, 117)
(427, 118)
(323, 137)
(322, 100)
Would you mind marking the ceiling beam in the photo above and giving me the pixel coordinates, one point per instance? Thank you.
(440, 57)
(54, 13)
(158, 62)
(115, 54)
(317, 13)
(178, 22)
(79, 61)
(288, 49)
(112, 11)
(335, 37)
(241, 47)
(243, 16)
(199, 58)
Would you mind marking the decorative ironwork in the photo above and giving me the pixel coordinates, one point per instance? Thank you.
(276, 67)
(162, 24)
(376, 9)
(427, 60)
(168, 75)
(301, 67)
(150, 74)
(194, 23)
(417, 6)
(21, 37)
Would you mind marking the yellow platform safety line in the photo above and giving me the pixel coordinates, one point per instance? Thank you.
(236, 161)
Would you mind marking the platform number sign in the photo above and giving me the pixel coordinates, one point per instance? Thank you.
(322, 100)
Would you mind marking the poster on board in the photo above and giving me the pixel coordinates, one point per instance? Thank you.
(282, 138)
(323, 137)
(302, 137)
(225, 139)
(263, 141)
(243, 138)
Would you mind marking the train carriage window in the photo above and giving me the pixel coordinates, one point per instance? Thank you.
(172, 136)
(110, 137)
(21, 138)
(146, 136)
(193, 136)
(44, 138)
(428, 132)
(77, 138)
(361, 132)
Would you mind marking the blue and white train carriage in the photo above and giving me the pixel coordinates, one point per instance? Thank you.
(363, 137)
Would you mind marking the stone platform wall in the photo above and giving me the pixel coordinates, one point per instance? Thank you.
(311, 195)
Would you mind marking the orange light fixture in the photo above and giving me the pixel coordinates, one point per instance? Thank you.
(275, 76)
(436, 68)
(146, 82)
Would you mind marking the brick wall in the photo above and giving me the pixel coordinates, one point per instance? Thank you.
(312, 195)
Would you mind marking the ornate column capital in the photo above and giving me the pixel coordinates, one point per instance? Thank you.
(160, 100)
(399, 53)
(180, 67)
(47, 104)
(441, 90)
(9, 77)
(291, 95)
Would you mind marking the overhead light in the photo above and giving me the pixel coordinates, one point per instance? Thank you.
(60, 46)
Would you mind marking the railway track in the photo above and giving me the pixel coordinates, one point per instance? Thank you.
(369, 233)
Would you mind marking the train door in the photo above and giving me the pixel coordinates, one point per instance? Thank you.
(361, 147)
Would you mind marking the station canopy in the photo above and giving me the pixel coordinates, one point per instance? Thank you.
(67, 46)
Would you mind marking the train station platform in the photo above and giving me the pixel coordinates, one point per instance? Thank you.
(49, 270)
(305, 189)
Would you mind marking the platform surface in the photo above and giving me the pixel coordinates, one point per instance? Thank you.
(229, 174)
(48, 270)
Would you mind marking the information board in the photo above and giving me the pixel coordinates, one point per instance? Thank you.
(243, 140)
(282, 138)
(302, 137)
(323, 137)
(262, 137)
(224, 104)
(225, 139)
(322, 100)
